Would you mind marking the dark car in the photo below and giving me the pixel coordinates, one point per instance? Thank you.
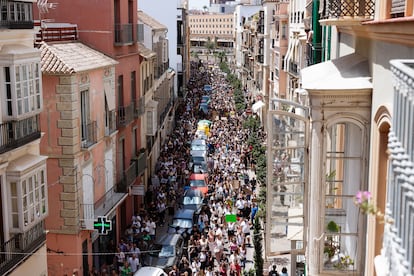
(183, 222)
(165, 252)
(194, 200)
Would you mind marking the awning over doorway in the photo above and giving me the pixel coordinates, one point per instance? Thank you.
(349, 72)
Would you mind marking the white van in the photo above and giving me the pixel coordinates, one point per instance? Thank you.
(150, 271)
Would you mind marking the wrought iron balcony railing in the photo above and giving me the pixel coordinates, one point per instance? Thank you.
(139, 109)
(123, 34)
(14, 134)
(20, 247)
(141, 161)
(348, 9)
(125, 114)
(89, 134)
(128, 178)
(100, 208)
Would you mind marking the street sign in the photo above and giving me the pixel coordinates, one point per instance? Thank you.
(103, 225)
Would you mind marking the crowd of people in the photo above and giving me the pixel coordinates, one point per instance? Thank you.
(218, 246)
(218, 243)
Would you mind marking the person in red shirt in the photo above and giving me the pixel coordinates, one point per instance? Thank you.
(235, 268)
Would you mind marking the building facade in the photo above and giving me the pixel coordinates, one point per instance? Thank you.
(114, 35)
(157, 79)
(79, 93)
(215, 27)
(23, 173)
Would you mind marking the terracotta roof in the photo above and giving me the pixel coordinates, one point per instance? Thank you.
(148, 20)
(69, 58)
(144, 51)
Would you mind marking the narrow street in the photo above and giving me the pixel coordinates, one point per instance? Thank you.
(221, 240)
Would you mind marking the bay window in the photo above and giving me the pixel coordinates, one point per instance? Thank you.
(27, 194)
(23, 90)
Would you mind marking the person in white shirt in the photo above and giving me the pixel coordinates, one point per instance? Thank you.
(152, 228)
(246, 231)
(133, 263)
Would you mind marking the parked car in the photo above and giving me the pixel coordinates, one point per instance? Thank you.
(197, 147)
(183, 222)
(150, 271)
(199, 168)
(199, 181)
(165, 252)
(194, 200)
(199, 156)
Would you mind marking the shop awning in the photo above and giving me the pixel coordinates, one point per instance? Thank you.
(350, 72)
(257, 105)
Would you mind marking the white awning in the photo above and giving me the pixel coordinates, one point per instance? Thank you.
(110, 95)
(257, 105)
(349, 72)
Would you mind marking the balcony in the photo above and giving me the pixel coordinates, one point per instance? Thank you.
(141, 161)
(139, 109)
(347, 12)
(294, 68)
(100, 208)
(125, 114)
(110, 122)
(14, 134)
(128, 178)
(20, 247)
(89, 134)
(123, 34)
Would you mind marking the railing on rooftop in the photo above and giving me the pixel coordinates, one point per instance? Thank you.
(53, 34)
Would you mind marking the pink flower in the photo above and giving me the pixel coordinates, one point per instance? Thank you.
(362, 196)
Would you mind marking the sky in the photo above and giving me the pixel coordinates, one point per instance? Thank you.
(198, 4)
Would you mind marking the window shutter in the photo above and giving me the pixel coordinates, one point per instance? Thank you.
(397, 8)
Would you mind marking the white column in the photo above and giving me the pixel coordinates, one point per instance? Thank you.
(316, 210)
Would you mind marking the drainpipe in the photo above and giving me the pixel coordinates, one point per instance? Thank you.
(317, 33)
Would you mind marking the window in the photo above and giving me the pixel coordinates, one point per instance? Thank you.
(133, 86)
(28, 198)
(14, 11)
(85, 114)
(344, 178)
(23, 91)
